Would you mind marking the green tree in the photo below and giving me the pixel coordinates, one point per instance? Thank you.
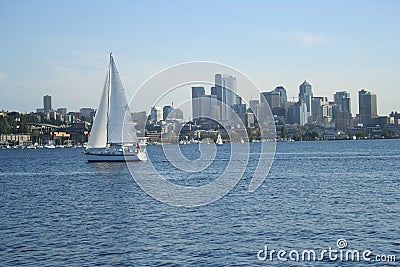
(283, 132)
(297, 136)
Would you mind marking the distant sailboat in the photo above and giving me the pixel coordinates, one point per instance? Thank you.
(219, 140)
(113, 135)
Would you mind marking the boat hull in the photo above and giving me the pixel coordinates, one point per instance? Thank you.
(101, 157)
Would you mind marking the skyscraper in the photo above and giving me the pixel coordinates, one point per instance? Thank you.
(342, 100)
(156, 114)
(197, 93)
(297, 113)
(319, 108)
(367, 106)
(217, 92)
(342, 110)
(273, 99)
(253, 104)
(229, 92)
(166, 112)
(306, 95)
(217, 89)
(283, 95)
(47, 103)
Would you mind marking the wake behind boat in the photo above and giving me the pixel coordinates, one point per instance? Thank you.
(113, 135)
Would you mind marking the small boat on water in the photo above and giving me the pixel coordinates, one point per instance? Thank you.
(113, 135)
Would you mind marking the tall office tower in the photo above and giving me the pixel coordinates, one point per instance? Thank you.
(229, 92)
(156, 114)
(303, 113)
(306, 95)
(217, 89)
(342, 110)
(297, 113)
(283, 95)
(217, 92)
(197, 94)
(367, 106)
(167, 112)
(319, 108)
(273, 99)
(47, 103)
(210, 107)
(238, 100)
(253, 104)
(342, 100)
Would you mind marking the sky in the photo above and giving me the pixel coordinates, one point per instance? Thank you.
(61, 48)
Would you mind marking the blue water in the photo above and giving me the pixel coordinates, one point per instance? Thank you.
(58, 210)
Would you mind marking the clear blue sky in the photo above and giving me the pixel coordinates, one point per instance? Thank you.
(61, 47)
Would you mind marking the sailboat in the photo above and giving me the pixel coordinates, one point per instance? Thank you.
(113, 135)
(219, 140)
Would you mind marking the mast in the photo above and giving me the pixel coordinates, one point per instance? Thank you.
(109, 93)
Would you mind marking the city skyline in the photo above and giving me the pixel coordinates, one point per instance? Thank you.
(209, 105)
(335, 46)
(202, 90)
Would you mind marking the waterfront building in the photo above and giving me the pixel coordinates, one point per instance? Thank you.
(367, 106)
(395, 117)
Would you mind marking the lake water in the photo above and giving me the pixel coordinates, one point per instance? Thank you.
(58, 210)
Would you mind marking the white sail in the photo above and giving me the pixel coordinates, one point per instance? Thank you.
(98, 134)
(219, 140)
(120, 124)
(113, 136)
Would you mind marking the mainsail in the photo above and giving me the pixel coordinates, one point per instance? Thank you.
(113, 123)
(98, 134)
